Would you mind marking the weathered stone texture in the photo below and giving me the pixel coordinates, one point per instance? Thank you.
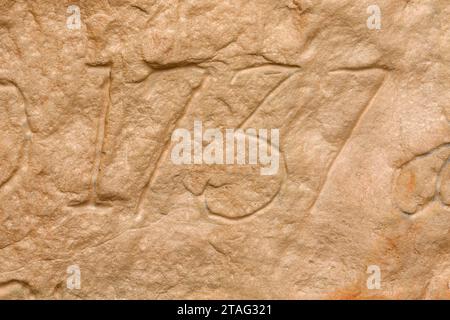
(86, 176)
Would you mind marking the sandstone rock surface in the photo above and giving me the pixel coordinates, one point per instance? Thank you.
(91, 93)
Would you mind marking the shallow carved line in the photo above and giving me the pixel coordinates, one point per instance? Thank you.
(165, 150)
(266, 97)
(26, 127)
(330, 167)
(249, 215)
(99, 143)
(438, 183)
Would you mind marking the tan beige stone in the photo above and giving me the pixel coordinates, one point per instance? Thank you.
(91, 93)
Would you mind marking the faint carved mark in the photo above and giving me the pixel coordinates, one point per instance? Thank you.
(92, 201)
(357, 123)
(266, 97)
(163, 154)
(22, 166)
(234, 206)
(17, 289)
(423, 180)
